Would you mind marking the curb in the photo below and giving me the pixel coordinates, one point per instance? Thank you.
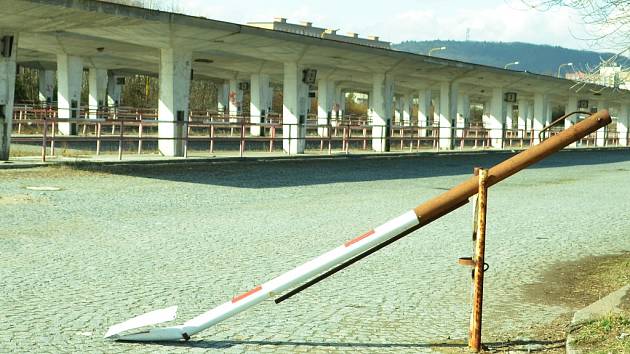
(605, 306)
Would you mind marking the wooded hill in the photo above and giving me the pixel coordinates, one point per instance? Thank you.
(540, 59)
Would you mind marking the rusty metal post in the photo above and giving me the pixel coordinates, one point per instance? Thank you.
(474, 341)
(45, 133)
(120, 139)
(98, 138)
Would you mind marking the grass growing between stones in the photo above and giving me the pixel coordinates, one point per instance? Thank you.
(610, 334)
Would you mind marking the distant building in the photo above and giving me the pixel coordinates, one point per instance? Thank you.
(611, 76)
(307, 29)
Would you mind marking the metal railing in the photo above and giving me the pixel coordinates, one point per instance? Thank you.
(131, 126)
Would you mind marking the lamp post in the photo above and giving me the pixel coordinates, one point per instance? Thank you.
(436, 49)
(561, 65)
(512, 63)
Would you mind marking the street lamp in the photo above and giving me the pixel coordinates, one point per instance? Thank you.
(512, 63)
(436, 49)
(561, 65)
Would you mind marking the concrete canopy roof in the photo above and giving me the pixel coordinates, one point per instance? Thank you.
(129, 39)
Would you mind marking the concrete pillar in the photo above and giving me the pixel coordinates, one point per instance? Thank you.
(259, 89)
(398, 108)
(235, 99)
(406, 111)
(269, 98)
(548, 113)
(97, 79)
(114, 89)
(223, 96)
(424, 107)
(175, 66)
(523, 113)
(381, 107)
(540, 109)
(623, 122)
(294, 105)
(46, 86)
(571, 106)
(600, 134)
(463, 110)
(496, 121)
(341, 99)
(69, 79)
(325, 92)
(8, 69)
(529, 122)
(448, 112)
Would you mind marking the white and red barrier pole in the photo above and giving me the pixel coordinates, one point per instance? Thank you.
(261, 292)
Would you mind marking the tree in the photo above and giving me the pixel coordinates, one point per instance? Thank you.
(606, 19)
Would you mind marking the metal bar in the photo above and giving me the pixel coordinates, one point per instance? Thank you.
(557, 121)
(482, 199)
(44, 140)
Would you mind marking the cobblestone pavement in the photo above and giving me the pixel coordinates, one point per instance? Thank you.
(119, 242)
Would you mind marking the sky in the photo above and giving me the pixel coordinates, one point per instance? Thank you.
(400, 20)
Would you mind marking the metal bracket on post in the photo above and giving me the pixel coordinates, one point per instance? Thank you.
(477, 261)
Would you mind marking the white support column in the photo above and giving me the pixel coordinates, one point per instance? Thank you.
(463, 108)
(496, 121)
(424, 107)
(175, 66)
(342, 102)
(294, 105)
(600, 134)
(325, 92)
(571, 106)
(269, 92)
(529, 122)
(223, 96)
(46, 86)
(8, 68)
(623, 122)
(114, 89)
(235, 101)
(398, 104)
(448, 111)
(259, 89)
(540, 109)
(523, 113)
(548, 113)
(69, 79)
(383, 92)
(97, 80)
(406, 111)
(509, 113)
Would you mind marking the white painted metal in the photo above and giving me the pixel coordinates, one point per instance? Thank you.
(271, 288)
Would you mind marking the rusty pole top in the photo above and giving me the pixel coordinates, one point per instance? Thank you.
(458, 196)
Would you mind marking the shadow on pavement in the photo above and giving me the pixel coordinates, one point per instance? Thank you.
(524, 345)
(265, 173)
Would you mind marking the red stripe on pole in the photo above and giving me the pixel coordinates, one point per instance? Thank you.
(355, 240)
(242, 296)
